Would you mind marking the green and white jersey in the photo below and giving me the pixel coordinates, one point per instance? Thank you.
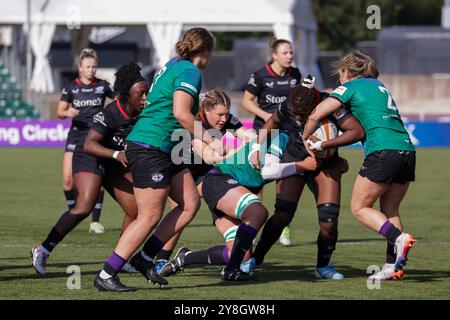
(157, 122)
(372, 104)
(239, 167)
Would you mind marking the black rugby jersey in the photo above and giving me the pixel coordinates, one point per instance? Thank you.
(295, 144)
(89, 99)
(194, 162)
(114, 123)
(271, 89)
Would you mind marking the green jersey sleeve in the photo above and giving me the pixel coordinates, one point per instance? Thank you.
(343, 93)
(190, 81)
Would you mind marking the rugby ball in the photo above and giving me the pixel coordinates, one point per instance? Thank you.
(326, 130)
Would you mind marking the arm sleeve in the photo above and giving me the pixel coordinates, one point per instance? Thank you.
(100, 122)
(109, 91)
(254, 85)
(190, 81)
(66, 94)
(340, 115)
(343, 93)
(283, 112)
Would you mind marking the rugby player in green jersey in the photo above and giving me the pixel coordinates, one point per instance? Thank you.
(390, 159)
(230, 191)
(172, 103)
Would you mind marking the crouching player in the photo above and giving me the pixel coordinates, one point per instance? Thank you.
(230, 190)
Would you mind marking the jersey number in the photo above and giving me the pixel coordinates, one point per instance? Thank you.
(157, 76)
(389, 104)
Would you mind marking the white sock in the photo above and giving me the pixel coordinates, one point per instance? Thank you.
(105, 275)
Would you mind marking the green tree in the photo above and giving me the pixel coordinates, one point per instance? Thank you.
(342, 23)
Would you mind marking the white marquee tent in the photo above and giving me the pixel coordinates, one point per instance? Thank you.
(165, 20)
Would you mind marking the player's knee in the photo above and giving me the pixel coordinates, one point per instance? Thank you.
(284, 211)
(328, 212)
(260, 214)
(245, 207)
(67, 183)
(79, 213)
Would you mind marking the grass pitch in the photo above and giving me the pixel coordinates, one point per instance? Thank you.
(32, 200)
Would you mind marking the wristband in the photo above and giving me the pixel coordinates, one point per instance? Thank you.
(256, 147)
(115, 154)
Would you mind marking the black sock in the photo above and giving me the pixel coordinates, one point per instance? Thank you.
(325, 248)
(164, 254)
(65, 224)
(243, 241)
(53, 238)
(270, 234)
(389, 231)
(390, 254)
(98, 207)
(152, 246)
(213, 256)
(70, 198)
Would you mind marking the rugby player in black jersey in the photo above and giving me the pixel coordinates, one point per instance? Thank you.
(325, 182)
(80, 100)
(105, 147)
(270, 86)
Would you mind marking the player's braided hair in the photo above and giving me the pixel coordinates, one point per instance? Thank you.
(212, 98)
(126, 76)
(194, 41)
(303, 99)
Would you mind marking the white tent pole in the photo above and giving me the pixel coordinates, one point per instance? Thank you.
(164, 36)
(29, 54)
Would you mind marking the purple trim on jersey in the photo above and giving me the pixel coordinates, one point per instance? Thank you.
(143, 145)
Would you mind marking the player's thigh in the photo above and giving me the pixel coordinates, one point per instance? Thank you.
(328, 186)
(391, 199)
(366, 192)
(290, 188)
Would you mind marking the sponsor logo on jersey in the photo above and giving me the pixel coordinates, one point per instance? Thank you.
(190, 86)
(293, 82)
(269, 84)
(118, 141)
(252, 81)
(64, 91)
(87, 90)
(340, 90)
(100, 89)
(71, 147)
(232, 181)
(87, 103)
(75, 91)
(157, 177)
(100, 118)
(282, 83)
(273, 99)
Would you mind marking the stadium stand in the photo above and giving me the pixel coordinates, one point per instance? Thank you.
(11, 104)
